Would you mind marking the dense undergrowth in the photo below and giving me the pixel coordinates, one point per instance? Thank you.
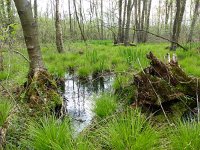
(114, 127)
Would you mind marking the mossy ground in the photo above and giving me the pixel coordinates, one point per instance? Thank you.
(96, 58)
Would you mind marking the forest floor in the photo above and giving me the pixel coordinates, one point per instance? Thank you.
(115, 126)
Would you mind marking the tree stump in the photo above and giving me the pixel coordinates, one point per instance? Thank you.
(162, 83)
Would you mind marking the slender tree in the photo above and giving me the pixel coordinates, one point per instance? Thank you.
(180, 8)
(39, 85)
(78, 21)
(119, 21)
(194, 19)
(124, 22)
(129, 10)
(29, 27)
(102, 23)
(70, 18)
(59, 38)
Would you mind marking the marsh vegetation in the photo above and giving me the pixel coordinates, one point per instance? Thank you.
(81, 78)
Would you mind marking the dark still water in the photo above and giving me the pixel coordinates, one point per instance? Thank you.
(79, 98)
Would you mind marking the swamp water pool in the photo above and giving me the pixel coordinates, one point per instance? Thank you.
(80, 98)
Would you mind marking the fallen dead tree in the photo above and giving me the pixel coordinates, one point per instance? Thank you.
(163, 83)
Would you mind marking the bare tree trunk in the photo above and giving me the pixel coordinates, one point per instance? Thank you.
(124, 22)
(35, 11)
(171, 17)
(40, 85)
(59, 38)
(167, 9)
(147, 21)
(159, 17)
(29, 27)
(97, 17)
(194, 19)
(129, 10)
(102, 20)
(119, 21)
(77, 18)
(70, 18)
(180, 5)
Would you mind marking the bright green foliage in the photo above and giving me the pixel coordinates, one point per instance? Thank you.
(50, 133)
(5, 108)
(129, 131)
(185, 136)
(84, 71)
(105, 106)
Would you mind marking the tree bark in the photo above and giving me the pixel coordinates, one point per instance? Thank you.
(102, 20)
(79, 25)
(147, 21)
(35, 11)
(194, 19)
(59, 38)
(40, 89)
(123, 22)
(129, 9)
(29, 27)
(180, 5)
(119, 21)
(70, 18)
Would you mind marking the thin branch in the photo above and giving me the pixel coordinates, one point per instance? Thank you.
(17, 52)
(161, 38)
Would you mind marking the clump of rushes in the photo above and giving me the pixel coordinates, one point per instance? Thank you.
(185, 136)
(84, 72)
(5, 108)
(105, 105)
(128, 130)
(49, 133)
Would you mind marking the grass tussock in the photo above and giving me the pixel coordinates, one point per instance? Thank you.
(185, 136)
(5, 109)
(130, 131)
(49, 133)
(105, 106)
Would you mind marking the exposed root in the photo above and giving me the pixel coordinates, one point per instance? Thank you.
(41, 93)
(163, 83)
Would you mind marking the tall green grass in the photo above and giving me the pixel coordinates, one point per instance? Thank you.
(129, 131)
(5, 109)
(185, 136)
(49, 133)
(105, 105)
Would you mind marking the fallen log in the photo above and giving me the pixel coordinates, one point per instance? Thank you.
(164, 83)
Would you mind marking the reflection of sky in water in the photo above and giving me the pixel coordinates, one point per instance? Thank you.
(79, 98)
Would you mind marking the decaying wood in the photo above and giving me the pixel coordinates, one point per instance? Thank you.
(164, 82)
